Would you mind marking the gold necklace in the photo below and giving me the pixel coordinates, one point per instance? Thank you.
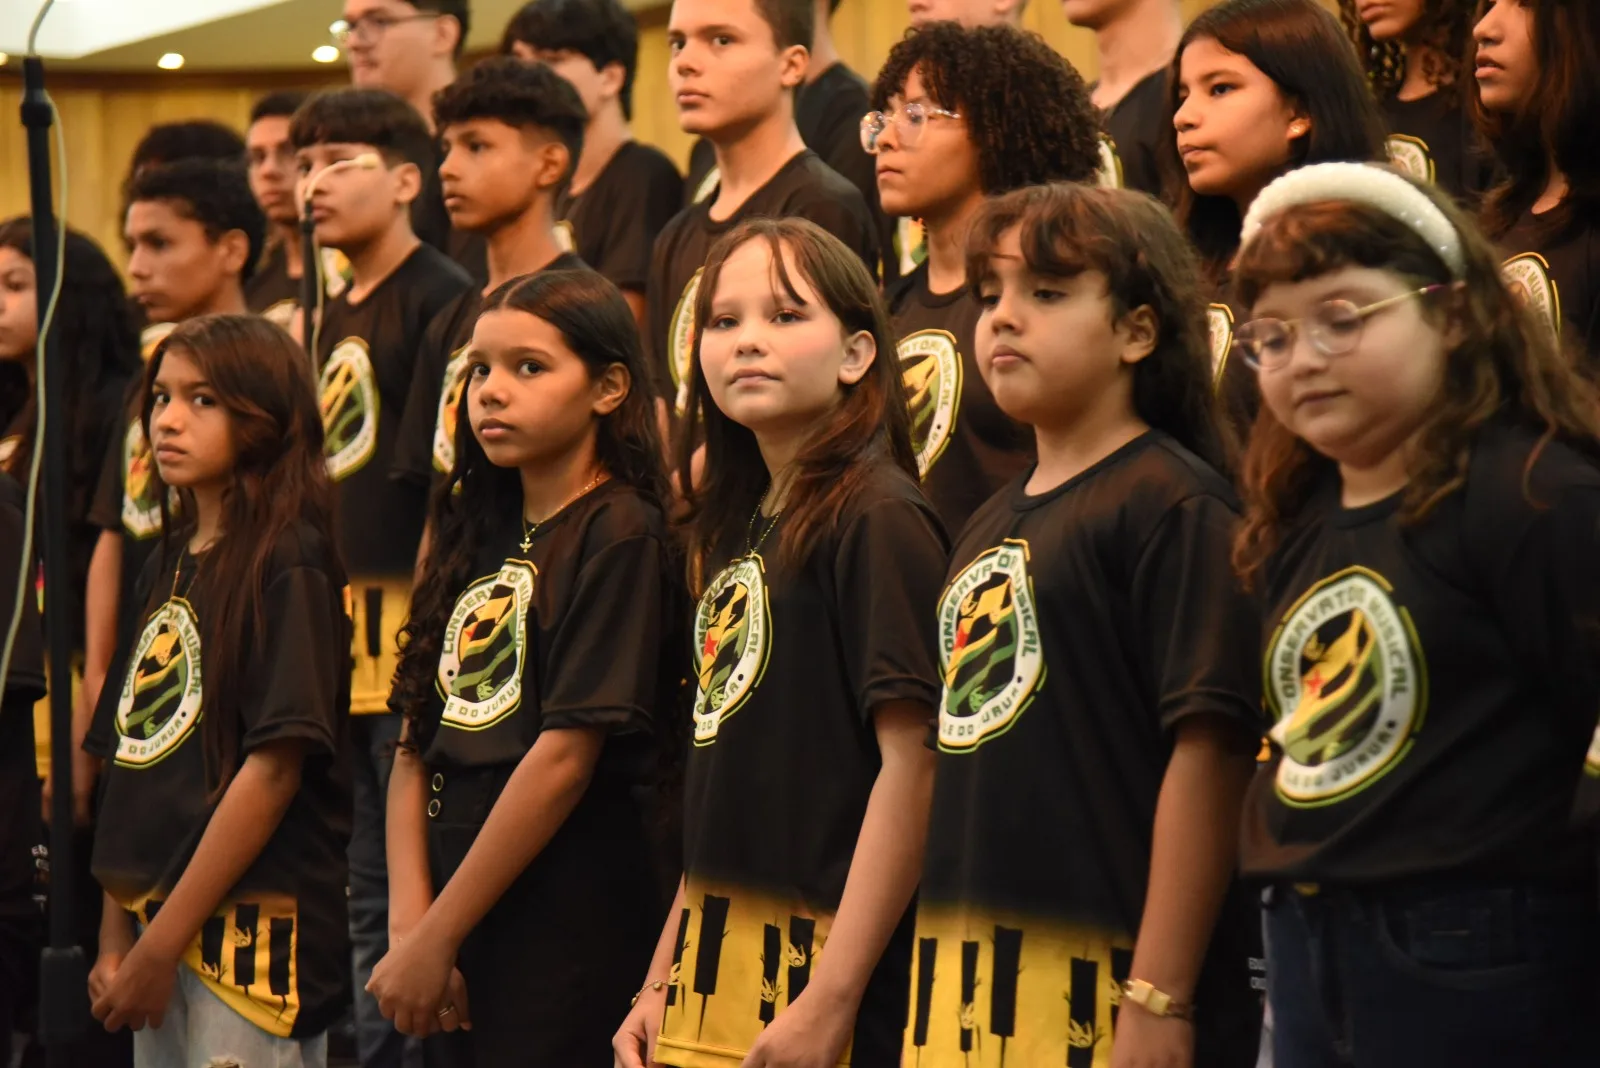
(752, 543)
(528, 529)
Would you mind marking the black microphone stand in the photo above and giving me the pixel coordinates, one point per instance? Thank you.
(310, 278)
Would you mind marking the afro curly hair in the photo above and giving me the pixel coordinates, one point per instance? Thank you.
(1026, 109)
(518, 94)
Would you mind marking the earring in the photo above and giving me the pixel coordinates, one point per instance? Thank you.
(1298, 127)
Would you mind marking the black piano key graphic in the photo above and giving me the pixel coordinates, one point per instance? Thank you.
(1084, 1000)
(771, 958)
(802, 935)
(1121, 969)
(151, 907)
(677, 955)
(927, 957)
(1003, 994)
(969, 992)
(280, 951)
(708, 957)
(211, 947)
(246, 918)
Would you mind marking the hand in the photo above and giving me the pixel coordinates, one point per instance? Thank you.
(634, 1044)
(137, 990)
(810, 1033)
(1144, 1040)
(103, 972)
(411, 983)
(459, 1018)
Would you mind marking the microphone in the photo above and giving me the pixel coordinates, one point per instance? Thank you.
(312, 288)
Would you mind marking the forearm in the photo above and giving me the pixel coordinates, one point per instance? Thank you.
(1194, 855)
(244, 821)
(116, 926)
(410, 883)
(101, 594)
(537, 799)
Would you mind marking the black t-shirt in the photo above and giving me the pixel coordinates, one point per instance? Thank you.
(369, 355)
(1433, 684)
(271, 293)
(276, 949)
(24, 682)
(967, 448)
(804, 187)
(1433, 140)
(1557, 271)
(613, 224)
(1135, 127)
(791, 666)
(1078, 627)
(427, 443)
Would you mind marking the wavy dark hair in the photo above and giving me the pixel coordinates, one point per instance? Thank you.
(263, 381)
(1303, 50)
(1445, 28)
(1557, 123)
(1508, 365)
(473, 501)
(1132, 240)
(870, 423)
(602, 31)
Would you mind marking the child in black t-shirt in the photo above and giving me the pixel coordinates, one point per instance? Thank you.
(1415, 53)
(274, 289)
(1533, 99)
(1099, 716)
(1422, 493)
(735, 67)
(622, 192)
(963, 114)
(511, 132)
(543, 653)
(817, 561)
(225, 800)
(1134, 41)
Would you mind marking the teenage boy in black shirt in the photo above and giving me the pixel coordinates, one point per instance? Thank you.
(1135, 41)
(967, 12)
(366, 348)
(274, 289)
(511, 131)
(622, 192)
(735, 67)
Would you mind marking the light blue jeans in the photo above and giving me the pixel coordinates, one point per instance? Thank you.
(199, 1031)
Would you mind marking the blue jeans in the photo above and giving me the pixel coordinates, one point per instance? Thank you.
(373, 737)
(199, 1031)
(1468, 976)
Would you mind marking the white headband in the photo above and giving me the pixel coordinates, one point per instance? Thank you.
(1360, 183)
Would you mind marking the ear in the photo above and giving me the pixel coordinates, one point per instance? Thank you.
(611, 388)
(1139, 331)
(1299, 124)
(234, 248)
(446, 34)
(555, 164)
(795, 60)
(612, 75)
(407, 182)
(860, 350)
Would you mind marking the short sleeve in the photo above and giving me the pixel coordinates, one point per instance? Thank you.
(606, 654)
(1200, 631)
(645, 207)
(889, 567)
(105, 510)
(413, 451)
(302, 658)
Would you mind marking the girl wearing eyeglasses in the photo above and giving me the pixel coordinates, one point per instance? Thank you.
(1421, 508)
(964, 114)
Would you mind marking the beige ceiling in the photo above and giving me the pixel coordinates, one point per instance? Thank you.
(279, 37)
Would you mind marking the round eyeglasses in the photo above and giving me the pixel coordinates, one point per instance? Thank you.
(909, 122)
(368, 29)
(1333, 328)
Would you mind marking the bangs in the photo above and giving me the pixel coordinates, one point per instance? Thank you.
(1061, 234)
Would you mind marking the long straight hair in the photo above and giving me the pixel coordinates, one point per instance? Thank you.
(470, 506)
(869, 424)
(263, 381)
(1445, 27)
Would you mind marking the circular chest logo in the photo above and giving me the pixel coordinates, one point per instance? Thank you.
(444, 425)
(161, 695)
(349, 397)
(911, 243)
(708, 184)
(1219, 321)
(1410, 156)
(1109, 175)
(1347, 687)
(732, 637)
(141, 505)
(930, 366)
(8, 449)
(681, 341)
(485, 648)
(281, 314)
(566, 236)
(151, 336)
(1528, 278)
(336, 272)
(989, 648)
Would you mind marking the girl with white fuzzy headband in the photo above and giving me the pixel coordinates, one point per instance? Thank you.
(1422, 512)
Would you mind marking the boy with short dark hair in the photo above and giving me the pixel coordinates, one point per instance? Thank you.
(362, 151)
(274, 289)
(622, 192)
(170, 142)
(511, 132)
(735, 67)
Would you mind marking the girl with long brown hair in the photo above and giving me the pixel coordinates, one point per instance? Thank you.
(1421, 500)
(817, 562)
(225, 805)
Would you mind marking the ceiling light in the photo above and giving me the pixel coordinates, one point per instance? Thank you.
(170, 61)
(325, 54)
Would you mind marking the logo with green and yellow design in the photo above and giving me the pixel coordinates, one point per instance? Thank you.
(141, 502)
(348, 391)
(161, 695)
(444, 424)
(1529, 279)
(930, 367)
(989, 648)
(1219, 321)
(1109, 174)
(1410, 156)
(732, 638)
(1347, 688)
(485, 647)
(708, 184)
(680, 342)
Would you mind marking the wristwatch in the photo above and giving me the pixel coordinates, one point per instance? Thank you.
(1154, 1001)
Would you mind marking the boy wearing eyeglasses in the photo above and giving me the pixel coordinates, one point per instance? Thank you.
(734, 70)
(963, 114)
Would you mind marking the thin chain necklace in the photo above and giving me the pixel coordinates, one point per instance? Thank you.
(176, 573)
(752, 543)
(529, 529)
